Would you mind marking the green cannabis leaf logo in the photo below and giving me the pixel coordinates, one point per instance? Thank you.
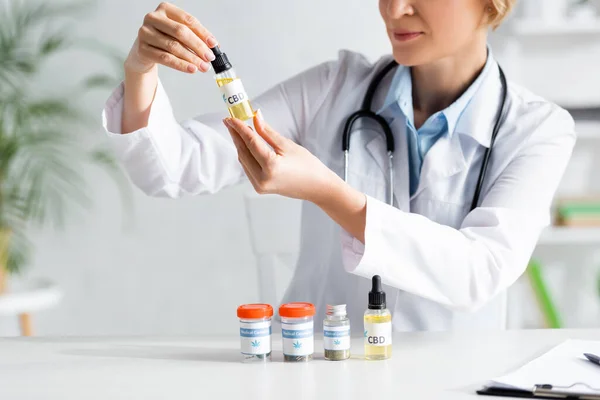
(255, 343)
(337, 342)
(297, 344)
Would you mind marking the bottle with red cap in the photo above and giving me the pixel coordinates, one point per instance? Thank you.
(255, 331)
(297, 331)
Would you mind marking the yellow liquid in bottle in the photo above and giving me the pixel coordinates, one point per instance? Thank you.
(242, 110)
(377, 352)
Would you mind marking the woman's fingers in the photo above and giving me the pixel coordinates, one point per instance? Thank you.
(167, 44)
(167, 59)
(174, 38)
(248, 171)
(255, 144)
(177, 14)
(182, 35)
(275, 140)
(245, 157)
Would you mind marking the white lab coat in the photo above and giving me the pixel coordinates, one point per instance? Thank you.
(443, 266)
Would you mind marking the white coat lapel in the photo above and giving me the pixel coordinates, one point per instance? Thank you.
(446, 157)
(377, 148)
(442, 161)
(479, 117)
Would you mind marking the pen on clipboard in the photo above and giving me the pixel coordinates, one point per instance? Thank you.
(563, 392)
(593, 358)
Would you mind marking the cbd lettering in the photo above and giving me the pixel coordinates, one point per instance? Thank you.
(236, 98)
(376, 339)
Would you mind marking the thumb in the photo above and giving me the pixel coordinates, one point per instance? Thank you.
(274, 139)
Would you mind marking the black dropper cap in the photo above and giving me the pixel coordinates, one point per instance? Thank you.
(376, 295)
(221, 62)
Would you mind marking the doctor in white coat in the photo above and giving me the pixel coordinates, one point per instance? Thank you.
(444, 266)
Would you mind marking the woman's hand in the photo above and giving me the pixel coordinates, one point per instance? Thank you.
(171, 37)
(275, 164)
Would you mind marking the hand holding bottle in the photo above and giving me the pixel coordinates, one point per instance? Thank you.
(170, 36)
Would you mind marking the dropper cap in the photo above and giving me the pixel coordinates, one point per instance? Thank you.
(376, 295)
(221, 62)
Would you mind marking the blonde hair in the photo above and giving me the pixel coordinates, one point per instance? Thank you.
(500, 10)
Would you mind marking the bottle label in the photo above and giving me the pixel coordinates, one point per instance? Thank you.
(233, 93)
(336, 337)
(255, 337)
(378, 334)
(298, 339)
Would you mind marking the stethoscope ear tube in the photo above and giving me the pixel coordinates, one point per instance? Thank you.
(366, 112)
(488, 151)
(389, 139)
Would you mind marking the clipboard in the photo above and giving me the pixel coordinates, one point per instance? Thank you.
(564, 369)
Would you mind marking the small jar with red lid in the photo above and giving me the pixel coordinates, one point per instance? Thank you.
(255, 331)
(297, 331)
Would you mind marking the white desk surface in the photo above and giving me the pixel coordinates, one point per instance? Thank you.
(423, 366)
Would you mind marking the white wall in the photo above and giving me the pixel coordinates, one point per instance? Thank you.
(563, 68)
(182, 267)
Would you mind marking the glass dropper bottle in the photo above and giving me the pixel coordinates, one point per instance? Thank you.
(233, 92)
(378, 324)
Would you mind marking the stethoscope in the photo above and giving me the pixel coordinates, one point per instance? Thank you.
(366, 112)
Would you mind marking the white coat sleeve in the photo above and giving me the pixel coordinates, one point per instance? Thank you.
(171, 159)
(464, 268)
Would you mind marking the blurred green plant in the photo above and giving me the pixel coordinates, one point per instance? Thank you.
(43, 154)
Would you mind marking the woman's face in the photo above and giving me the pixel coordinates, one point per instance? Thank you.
(424, 31)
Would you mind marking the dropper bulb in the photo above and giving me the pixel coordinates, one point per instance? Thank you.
(221, 62)
(376, 284)
(376, 295)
